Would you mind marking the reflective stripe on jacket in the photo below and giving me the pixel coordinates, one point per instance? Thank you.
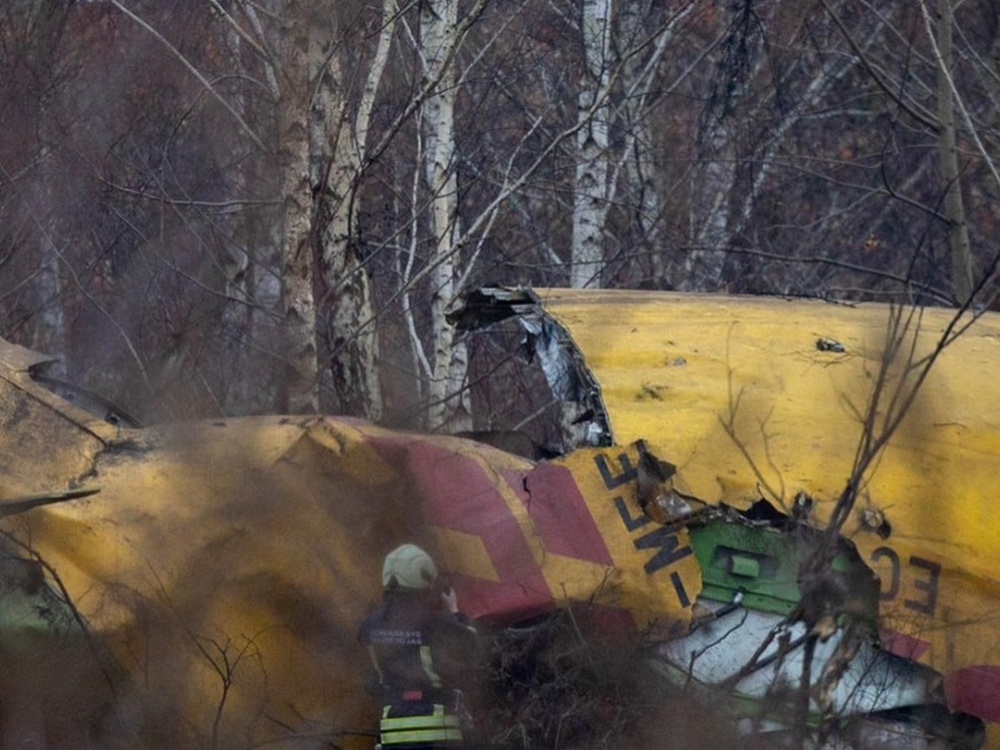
(434, 728)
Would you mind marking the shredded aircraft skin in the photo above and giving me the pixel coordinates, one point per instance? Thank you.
(231, 553)
(585, 421)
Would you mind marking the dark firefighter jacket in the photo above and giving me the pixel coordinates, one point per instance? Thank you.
(414, 645)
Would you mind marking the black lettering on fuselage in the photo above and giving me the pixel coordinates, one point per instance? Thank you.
(611, 480)
(926, 583)
(631, 522)
(668, 547)
(682, 594)
(926, 576)
(888, 593)
(669, 552)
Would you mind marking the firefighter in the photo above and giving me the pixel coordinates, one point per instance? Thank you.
(414, 638)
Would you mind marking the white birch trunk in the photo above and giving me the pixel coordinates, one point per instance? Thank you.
(353, 335)
(449, 401)
(590, 188)
(302, 367)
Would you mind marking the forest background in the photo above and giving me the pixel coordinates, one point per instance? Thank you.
(224, 207)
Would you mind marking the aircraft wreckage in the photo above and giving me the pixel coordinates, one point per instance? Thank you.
(187, 583)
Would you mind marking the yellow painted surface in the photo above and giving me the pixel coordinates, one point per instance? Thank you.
(225, 566)
(258, 543)
(735, 392)
(657, 598)
(60, 449)
(232, 552)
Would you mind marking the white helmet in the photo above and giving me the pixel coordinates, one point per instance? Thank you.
(408, 567)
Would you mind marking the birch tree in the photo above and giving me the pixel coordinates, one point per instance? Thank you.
(624, 46)
(298, 264)
(438, 38)
(593, 186)
(368, 161)
(352, 337)
(323, 138)
(430, 217)
(590, 188)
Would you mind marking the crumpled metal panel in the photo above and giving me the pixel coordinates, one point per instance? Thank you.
(584, 419)
(46, 444)
(232, 561)
(749, 398)
(873, 680)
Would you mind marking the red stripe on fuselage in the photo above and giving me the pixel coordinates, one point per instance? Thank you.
(976, 691)
(972, 690)
(459, 495)
(903, 645)
(560, 513)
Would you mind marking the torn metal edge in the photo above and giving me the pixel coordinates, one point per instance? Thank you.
(16, 369)
(16, 358)
(23, 368)
(584, 418)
